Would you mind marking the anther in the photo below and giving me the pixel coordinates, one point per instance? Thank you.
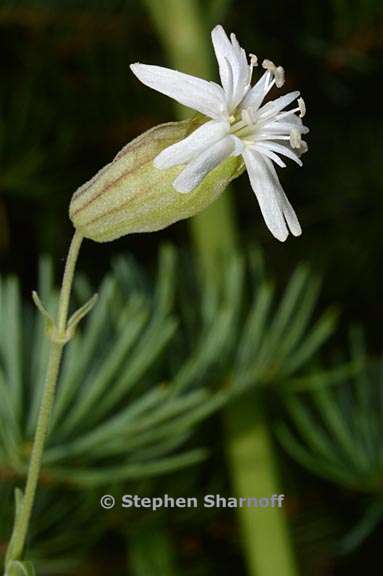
(295, 138)
(302, 107)
(253, 60)
(279, 75)
(277, 71)
(253, 63)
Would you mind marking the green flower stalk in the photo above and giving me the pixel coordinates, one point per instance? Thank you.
(60, 331)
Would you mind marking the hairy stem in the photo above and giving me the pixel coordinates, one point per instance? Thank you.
(58, 342)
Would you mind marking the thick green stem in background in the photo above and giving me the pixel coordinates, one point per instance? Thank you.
(20, 531)
(254, 474)
(267, 547)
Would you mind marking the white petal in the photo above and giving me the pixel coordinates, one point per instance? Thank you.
(280, 149)
(255, 96)
(272, 130)
(234, 69)
(222, 49)
(287, 209)
(206, 97)
(266, 151)
(198, 168)
(183, 151)
(274, 106)
(239, 146)
(290, 215)
(286, 124)
(273, 202)
(267, 194)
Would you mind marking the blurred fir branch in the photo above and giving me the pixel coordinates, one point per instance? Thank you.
(101, 408)
(341, 429)
(277, 341)
(107, 409)
(149, 365)
(337, 434)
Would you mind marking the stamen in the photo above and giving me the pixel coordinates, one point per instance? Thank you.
(234, 128)
(295, 138)
(245, 126)
(303, 147)
(263, 136)
(253, 63)
(253, 60)
(282, 115)
(302, 107)
(269, 82)
(246, 117)
(277, 71)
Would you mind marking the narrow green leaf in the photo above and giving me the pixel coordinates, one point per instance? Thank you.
(318, 335)
(98, 477)
(255, 327)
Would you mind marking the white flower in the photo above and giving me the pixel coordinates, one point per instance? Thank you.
(240, 124)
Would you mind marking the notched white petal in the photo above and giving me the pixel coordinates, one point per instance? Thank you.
(281, 149)
(288, 211)
(256, 94)
(192, 145)
(198, 168)
(234, 69)
(266, 193)
(279, 104)
(268, 151)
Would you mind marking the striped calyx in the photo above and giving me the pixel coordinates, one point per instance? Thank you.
(131, 195)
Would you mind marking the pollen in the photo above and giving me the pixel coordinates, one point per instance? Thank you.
(253, 60)
(295, 138)
(277, 71)
(302, 107)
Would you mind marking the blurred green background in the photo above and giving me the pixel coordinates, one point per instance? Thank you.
(68, 103)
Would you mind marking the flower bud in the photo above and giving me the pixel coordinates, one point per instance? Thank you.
(131, 195)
